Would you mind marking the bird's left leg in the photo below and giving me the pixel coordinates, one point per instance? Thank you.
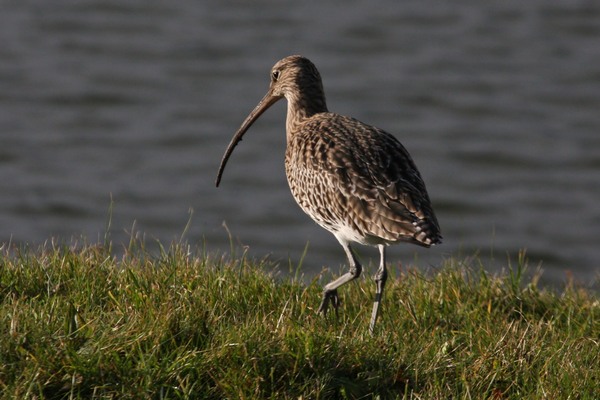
(330, 294)
(380, 279)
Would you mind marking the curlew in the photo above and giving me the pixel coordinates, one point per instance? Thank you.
(355, 180)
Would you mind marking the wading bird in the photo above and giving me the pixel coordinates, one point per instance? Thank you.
(354, 180)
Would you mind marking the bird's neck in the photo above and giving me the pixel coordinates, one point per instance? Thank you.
(301, 106)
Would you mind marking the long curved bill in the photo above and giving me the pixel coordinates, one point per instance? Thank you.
(262, 106)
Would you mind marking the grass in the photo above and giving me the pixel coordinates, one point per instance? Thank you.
(79, 322)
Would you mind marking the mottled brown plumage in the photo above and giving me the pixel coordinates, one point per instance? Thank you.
(354, 180)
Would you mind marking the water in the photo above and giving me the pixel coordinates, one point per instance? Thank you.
(135, 101)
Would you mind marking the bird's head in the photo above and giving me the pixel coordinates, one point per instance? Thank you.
(297, 79)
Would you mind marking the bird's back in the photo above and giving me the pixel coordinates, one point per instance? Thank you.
(358, 182)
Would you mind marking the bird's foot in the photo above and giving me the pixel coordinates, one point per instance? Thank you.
(329, 296)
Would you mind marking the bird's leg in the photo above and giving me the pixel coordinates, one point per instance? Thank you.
(330, 294)
(380, 279)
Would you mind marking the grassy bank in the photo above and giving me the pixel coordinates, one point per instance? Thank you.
(80, 323)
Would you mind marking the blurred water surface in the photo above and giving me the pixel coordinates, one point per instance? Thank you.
(498, 102)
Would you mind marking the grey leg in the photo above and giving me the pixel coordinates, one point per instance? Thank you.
(380, 279)
(330, 291)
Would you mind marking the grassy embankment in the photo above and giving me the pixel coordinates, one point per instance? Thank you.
(80, 323)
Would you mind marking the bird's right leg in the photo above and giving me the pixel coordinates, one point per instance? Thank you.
(380, 279)
(330, 294)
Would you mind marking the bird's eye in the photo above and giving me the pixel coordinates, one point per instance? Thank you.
(275, 75)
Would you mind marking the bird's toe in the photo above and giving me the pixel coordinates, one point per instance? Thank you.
(330, 296)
